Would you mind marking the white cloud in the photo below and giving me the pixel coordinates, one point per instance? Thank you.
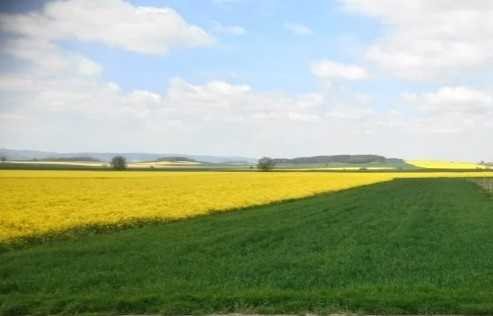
(87, 67)
(114, 23)
(71, 112)
(226, 102)
(330, 70)
(234, 30)
(298, 28)
(453, 100)
(203, 98)
(430, 40)
(48, 57)
(60, 101)
(349, 112)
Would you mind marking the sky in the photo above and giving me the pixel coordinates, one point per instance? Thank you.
(411, 79)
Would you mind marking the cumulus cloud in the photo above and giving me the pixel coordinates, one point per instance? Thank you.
(115, 23)
(47, 57)
(232, 102)
(58, 100)
(298, 28)
(430, 40)
(449, 116)
(186, 115)
(330, 70)
(453, 100)
(217, 117)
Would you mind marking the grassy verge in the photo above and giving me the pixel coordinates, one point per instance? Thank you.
(407, 246)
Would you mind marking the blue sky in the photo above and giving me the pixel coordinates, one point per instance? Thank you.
(236, 76)
(267, 56)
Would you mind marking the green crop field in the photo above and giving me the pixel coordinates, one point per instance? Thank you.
(406, 246)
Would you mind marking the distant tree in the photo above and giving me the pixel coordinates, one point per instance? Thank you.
(265, 164)
(3, 159)
(119, 163)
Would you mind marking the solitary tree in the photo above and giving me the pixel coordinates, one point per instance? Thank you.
(3, 159)
(119, 163)
(265, 164)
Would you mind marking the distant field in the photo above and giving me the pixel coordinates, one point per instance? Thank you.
(146, 164)
(433, 164)
(409, 246)
(349, 166)
(157, 164)
(102, 165)
(41, 202)
(194, 165)
(56, 162)
(352, 167)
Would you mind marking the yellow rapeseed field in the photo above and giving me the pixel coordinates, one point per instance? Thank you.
(436, 164)
(37, 202)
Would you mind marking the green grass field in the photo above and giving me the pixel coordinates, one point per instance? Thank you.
(407, 246)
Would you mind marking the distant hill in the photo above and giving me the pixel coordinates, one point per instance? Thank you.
(330, 160)
(13, 154)
(345, 159)
(75, 158)
(176, 158)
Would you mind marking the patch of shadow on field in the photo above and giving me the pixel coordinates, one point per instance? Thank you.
(94, 229)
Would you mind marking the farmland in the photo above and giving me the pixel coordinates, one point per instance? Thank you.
(46, 202)
(435, 164)
(246, 158)
(300, 163)
(404, 246)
